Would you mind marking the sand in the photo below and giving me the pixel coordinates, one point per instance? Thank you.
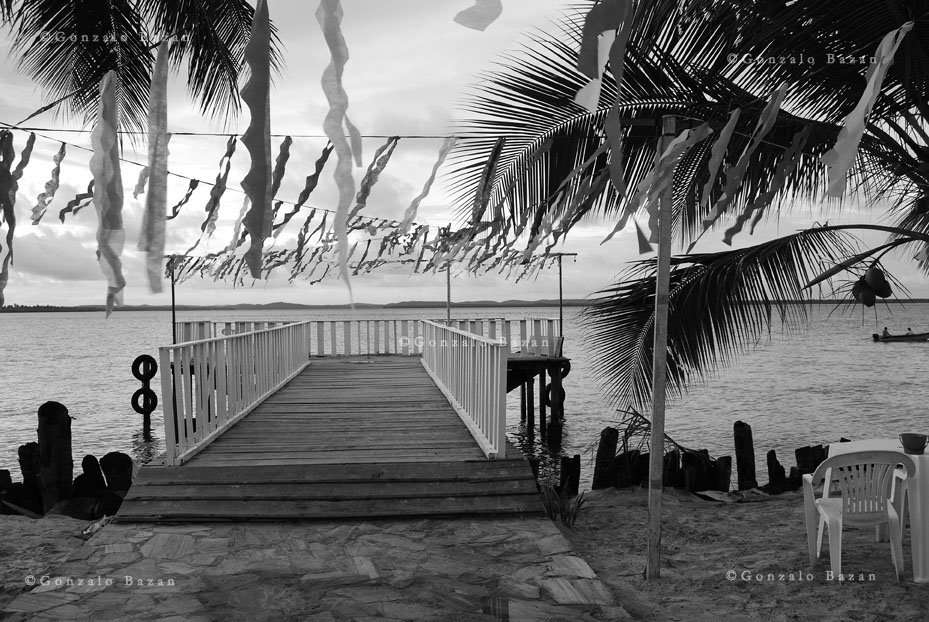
(702, 541)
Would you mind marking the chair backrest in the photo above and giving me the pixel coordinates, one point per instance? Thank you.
(865, 480)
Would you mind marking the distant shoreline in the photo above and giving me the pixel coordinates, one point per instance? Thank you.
(287, 306)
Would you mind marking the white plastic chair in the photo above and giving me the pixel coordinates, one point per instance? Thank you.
(865, 480)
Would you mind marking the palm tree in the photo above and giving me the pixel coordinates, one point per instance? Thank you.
(679, 61)
(67, 47)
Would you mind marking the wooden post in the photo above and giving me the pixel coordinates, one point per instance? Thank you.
(777, 477)
(542, 428)
(29, 466)
(744, 455)
(606, 452)
(522, 402)
(570, 476)
(723, 473)
(530, 406)
(56, 469)
(659, 364)
(448, 293)
(557, 395)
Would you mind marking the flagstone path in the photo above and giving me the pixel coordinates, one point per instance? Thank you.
(488, 569)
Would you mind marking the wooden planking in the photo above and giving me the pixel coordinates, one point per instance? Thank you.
(150, 510)
(348, 409)
(342, 440)
(388, 471)
(333, 491)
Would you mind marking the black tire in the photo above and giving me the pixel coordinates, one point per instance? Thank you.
(144, 401)
(548, 395)
(566, 369)
(147, 361)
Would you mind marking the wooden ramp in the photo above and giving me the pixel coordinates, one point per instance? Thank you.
(347, 438)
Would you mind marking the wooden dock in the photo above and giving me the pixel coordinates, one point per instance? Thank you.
(348, 437)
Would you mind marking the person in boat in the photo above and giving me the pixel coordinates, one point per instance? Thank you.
(886, 332)
(909, 331)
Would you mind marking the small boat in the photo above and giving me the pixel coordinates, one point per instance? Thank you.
(912, 337)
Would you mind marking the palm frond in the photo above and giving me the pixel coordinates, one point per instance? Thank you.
(719, 304)
(68, 47)
(211, 36)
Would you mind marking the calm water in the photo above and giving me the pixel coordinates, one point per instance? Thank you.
(804, 388)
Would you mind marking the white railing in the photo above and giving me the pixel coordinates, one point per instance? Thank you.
(204, 329)
(365, 337)
(471, 371)
(399, 336)
(209, 384)
(529, 336)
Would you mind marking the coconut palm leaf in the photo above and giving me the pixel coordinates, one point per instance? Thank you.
(67, 47)
(676, 65)
(719, 303)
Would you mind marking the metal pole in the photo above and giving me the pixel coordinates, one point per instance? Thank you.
(659, 364)
(173, 314)
(560, 301)
(448, 293)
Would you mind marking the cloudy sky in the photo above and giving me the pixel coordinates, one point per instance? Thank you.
(409, 67)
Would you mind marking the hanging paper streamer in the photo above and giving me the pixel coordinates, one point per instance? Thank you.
(611, 124)
(51, 187)
(141, 181)
(589, 94)
(381, 157)
(659, 178)
(481, 15)
(7, 154)
(840, 158)
(257, 138)
(9, 183)
(329, 16)
(108, 192)
(717, 151)
(353, 134)
(486, 183)
(280, 164)
(219, 187)
(603, 17)
(81, 200)
(789, 160)
(311, 182)
(190, 190)
(735, 173)
(152, 235)
(410, 214)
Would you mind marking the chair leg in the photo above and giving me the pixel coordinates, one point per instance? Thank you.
(819, 538)
(895, 528)
(835, 546)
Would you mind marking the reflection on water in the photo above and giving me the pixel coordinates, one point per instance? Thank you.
(145, 446)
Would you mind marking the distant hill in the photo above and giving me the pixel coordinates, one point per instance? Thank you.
(287, 306)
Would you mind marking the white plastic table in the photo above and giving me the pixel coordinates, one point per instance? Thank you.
(917, 489)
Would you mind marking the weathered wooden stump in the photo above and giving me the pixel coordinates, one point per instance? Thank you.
(57, 467)
(30, 494)
(672, 469)
(722, 473)
(744, 456)
(604, 477)
(90, 482)
(777, 476)
(697, 469)
(570, 475)
(117, 467)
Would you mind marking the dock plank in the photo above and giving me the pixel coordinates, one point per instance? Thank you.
(345, 438)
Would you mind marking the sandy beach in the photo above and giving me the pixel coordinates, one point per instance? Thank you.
(703, 544)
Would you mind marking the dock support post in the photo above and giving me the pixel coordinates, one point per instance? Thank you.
(530, 406)
(542, 427)
(522, 402)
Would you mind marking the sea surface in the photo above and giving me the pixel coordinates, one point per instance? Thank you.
(794, 388)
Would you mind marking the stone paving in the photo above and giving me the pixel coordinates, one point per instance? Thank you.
(487, 569)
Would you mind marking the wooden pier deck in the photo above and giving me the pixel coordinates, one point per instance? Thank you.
(349, 437)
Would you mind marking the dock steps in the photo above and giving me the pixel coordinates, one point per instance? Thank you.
(331, 491)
